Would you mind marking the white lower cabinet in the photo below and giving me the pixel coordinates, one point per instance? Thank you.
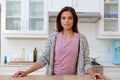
(10, 70)
(112, 72)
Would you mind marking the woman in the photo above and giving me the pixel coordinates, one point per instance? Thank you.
(66, 51)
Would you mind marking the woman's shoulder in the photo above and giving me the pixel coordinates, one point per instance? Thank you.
(82, 35)
(53, 35)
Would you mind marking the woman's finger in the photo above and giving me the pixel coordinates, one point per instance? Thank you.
(17, 74)
(99, 76)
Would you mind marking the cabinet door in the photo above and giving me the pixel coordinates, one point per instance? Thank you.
(36, 17)
(12, 15)
(112, 72)
(79, 5)
(57, 5)
(87, 5)
(10, 70)
(109, 25)
(4, 70)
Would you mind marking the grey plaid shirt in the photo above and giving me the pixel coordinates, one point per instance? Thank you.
(47, 56)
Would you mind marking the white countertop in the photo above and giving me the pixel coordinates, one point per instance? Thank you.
(104, 64)
(108, 64)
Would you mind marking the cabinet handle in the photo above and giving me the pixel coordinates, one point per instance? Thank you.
(23, 24)
(27, 25)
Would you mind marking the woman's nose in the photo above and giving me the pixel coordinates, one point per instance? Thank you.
(66, 20)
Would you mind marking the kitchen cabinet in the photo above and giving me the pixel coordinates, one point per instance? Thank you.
(57, 5)
(79, 5)
(113, 72)
(24, 18)
(11, 69)
(109, 25)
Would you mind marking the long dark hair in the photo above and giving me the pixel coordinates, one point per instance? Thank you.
(58, 21)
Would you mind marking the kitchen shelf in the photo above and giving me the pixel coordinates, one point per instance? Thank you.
(111, 19)
(21, 63)
(111, 3)
(38, 36)
(13, 17)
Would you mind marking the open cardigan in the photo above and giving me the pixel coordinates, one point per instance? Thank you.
(47, 57)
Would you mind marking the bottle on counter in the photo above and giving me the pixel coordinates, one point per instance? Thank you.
(5, 60)
(23, 54)
(106, 0)
(35, 55)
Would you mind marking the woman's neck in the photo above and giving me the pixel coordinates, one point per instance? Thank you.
(67, 35)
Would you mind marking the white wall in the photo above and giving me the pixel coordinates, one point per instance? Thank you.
(98, 48)
(13, 48)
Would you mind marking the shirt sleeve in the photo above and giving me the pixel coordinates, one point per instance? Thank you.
(45, 57)
(86, 52)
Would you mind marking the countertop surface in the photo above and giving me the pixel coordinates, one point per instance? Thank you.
(108, 64)
(104, 64)
(47, 77)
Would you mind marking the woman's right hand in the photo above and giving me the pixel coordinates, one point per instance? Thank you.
(20, 74)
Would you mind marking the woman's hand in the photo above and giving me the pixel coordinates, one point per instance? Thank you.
(98, 76)
(19, 74)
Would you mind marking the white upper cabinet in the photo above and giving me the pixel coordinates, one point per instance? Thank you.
(79, 5)
(109, 25)
(86, 5)
(57, 5)
(24, 18)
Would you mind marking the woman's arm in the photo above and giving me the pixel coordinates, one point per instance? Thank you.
(35, 67)
(88, 66)
(94, 75)
(41, 62)
(91, 71)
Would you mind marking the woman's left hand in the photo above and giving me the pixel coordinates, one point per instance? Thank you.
(98, 76)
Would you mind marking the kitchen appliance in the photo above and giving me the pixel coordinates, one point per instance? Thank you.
(116, 52)
(84, 17)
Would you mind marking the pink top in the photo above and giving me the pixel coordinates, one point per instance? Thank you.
(66, 53)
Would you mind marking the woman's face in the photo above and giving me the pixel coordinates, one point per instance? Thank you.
(67, 20)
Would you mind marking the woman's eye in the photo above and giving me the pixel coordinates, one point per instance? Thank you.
(70, 18)
(63, 18)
